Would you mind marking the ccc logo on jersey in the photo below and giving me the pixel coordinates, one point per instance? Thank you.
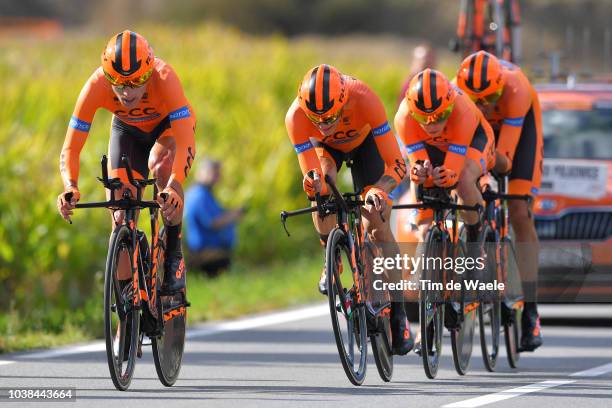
(341, 136)
(136, 112)
(438, 141)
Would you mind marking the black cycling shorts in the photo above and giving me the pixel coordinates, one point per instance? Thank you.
(135, 143)
(366, 164)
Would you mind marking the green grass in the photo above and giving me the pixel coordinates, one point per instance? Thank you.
(241, 290)
(247, 290)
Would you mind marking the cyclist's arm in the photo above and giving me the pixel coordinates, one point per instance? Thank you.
(182, 120)
(298, 130)
(395, 166)
(512, 125)
(407, 130)
(78, 129)
(463, 132)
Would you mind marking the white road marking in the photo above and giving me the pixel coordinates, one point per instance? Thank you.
(507, 394)
(66, 351)
(594, 372)
(515, 392)
(222, 327)
(259, 321)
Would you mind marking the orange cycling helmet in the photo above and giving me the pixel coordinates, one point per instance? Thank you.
(323, 93)
(127, 59)
(430, 97)
(481, 76)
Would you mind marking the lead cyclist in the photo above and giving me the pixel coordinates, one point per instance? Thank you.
(153, 124)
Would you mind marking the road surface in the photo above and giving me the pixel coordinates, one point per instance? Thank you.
(290, 358)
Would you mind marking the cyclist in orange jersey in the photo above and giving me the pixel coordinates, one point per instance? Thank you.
(153, 124)
(449, 144)
(334, 119)
(510, 104)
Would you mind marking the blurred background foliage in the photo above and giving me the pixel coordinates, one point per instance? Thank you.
(240, 87)
(546, 22)
(240, 63)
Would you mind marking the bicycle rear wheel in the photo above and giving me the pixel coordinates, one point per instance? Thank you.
(489, 310)
(348, 318)
(511, 309)
(121, 320)
(431, 304)
(379, 320)
(381, 348)
(169, 346)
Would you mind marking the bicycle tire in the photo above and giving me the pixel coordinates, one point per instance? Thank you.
(512, 321)
(381, 349)
(431, 313)
(489, 312)
(379, 321)
(168, 348)
(462, 338)
(115, 299)
(356, 325)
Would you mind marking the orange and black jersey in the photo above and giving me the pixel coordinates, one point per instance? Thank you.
(508, 116)
(362, 115)
(164, 98)
(466, 134)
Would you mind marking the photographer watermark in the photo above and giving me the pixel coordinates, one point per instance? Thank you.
(459, 264)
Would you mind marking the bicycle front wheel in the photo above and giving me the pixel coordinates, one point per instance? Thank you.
(489, 309)
(431, 303)
(121, 319)
(462, 337)
(347, 316)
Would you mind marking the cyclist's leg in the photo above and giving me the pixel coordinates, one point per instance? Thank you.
(160, 163)
(525, 179)
(480, 158)
(331, 161)
(135, 144)
(367, 169)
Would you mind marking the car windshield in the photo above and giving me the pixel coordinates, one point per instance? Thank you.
(578, 134)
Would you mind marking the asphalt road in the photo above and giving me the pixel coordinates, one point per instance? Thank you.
(290, 358)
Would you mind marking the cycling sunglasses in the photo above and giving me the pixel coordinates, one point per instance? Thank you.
(489, 99)
(132, 83)
(326, 120)
(432, 119)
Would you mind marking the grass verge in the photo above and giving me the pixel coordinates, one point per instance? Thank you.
(241, 290)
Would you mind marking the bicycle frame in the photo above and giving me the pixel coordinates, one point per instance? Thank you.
(439, 200)
(501, 217)
(142, 290)
(347, 208)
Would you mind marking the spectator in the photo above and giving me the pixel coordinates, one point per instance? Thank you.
(211, 229)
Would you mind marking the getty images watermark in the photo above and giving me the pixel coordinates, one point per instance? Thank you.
(390, 266)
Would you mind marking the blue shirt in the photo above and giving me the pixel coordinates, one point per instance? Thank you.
(201, 210)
